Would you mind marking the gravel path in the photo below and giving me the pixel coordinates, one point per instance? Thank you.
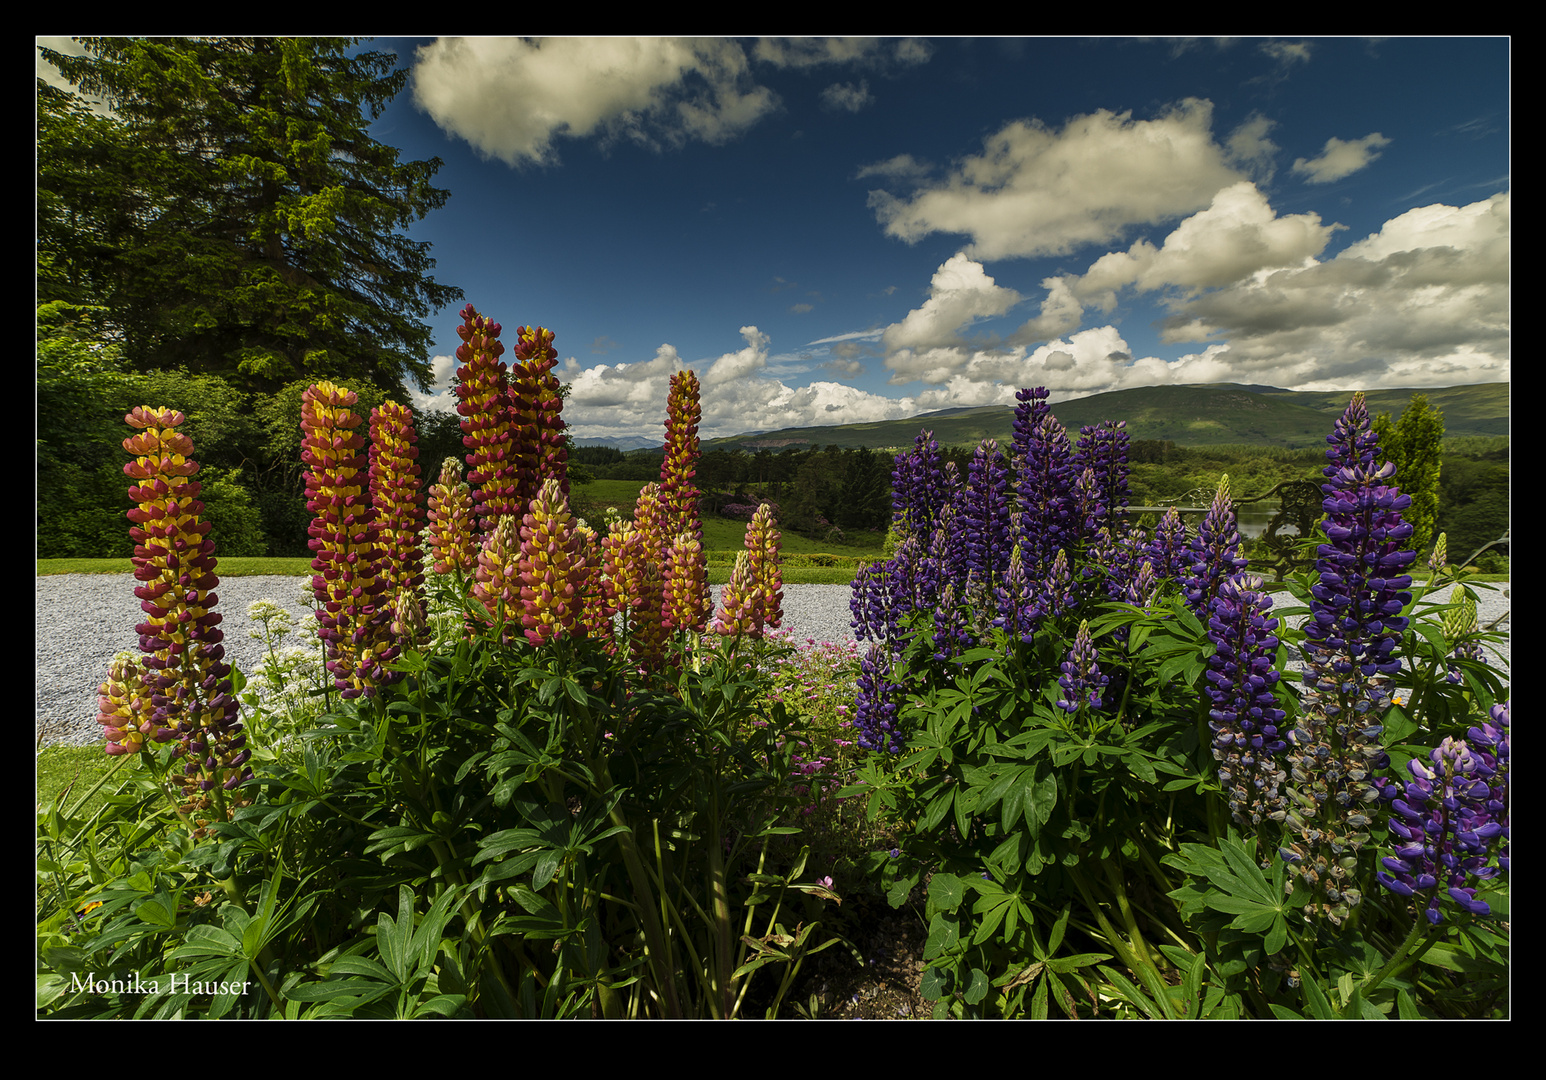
(83, 620)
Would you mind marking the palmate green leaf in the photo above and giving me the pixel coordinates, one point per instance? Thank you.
(1229, 881)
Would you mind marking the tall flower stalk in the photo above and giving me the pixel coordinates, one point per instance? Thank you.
(679, 467)
(1245, 719)
(452, 531)
(351, 583)
(487, 425)
(1355, 625)
(537, 426)
(185, 685)
(398, 506)
(552, 568)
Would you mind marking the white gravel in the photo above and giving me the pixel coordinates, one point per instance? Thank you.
(83, 620)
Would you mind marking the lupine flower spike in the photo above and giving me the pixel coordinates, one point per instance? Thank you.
(1082, 681)
(398, 506)
(451, 528)
(552, 570)
(183, 676)
(679, 467)
(535, 404)
(353, 604)
(487, 426)
(1214, 553)
(124, 709)
(1449, 818)
(1245, 718)
(1349, 645)
(762, 543)
(497, 584)
(741, 604)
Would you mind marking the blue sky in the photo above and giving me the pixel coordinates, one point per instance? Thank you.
(832, 231)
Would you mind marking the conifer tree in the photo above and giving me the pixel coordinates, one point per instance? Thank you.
(235, 216)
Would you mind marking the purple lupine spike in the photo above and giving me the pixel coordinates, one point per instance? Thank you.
(1168, 551)
(985, 520)
(1245, 718)
(1089, 513)
(918, 488)
(1057, 588)
(1349, 644)
(1043, 478)
(1103, 450)
(1141, 587)
(1082, 681)
(876, 707)
(1018, 607)
(1214, 553)
(1445, 823)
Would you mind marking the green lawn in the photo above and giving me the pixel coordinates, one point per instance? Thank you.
(719, 570)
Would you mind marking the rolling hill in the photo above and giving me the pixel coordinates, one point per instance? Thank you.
(1189, 415)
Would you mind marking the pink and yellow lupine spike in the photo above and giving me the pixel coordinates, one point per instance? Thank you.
(394, 495)
(552, 568)
(635, 589)
(679, 467)
(487, 427)
(353, 609)
(688, 597)
(536, 405)
(124, 709)
(451, 527)
(185, 689)
(595, 610)
(649, 634)
(741, 605)
(497, 582)
(762, 551)
(649, 518)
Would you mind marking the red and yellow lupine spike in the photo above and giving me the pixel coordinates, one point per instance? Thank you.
(688, 597)
(184, 682)
(762, 551)
(649, 634)
(497, 582)
(487, 427)
(679, 467)
(353, 609)
(394, 495)
(536, 406)
(622, 555)
(552, 569)
(451, 528)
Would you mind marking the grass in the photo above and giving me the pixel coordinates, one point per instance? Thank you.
(720, 565)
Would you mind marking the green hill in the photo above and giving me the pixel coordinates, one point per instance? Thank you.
(1188, 415)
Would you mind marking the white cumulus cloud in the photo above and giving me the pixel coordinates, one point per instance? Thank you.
(511, 98)
(1035, 190)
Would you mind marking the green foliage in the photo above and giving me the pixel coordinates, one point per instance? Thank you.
(235, 217)
(1474, 502)
(506, 832)
(1085, 860)
(1415, 445)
